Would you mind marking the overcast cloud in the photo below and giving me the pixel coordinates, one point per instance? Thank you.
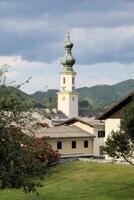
(32, 35)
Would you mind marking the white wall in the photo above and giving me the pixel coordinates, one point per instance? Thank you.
(98, 141)
(68, 103)
(67, 145)
(111, 125)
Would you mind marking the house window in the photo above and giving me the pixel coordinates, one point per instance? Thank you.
(73, 144)
(101, 150)
(73, 80)
(59, 145)
(64, 80)
(85, 143)
(101, 134)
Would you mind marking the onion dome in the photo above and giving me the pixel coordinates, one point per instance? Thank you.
(68, 60)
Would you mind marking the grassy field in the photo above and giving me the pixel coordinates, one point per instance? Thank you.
(82, 181)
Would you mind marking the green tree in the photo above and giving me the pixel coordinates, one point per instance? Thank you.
(120, 144)
(84, 104)
(22, 156)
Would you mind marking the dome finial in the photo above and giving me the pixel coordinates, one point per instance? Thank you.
(68, 60)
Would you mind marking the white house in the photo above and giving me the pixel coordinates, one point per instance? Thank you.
(112, 117)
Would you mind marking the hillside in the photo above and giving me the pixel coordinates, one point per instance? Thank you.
(94, 98)
(106, 94)
(9, 90)
(48, 99)
(97, 96)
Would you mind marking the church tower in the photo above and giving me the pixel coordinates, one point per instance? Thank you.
(67, 96)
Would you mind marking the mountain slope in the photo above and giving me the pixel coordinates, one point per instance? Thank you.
(10, 90)
(99, 95)
(106, 94)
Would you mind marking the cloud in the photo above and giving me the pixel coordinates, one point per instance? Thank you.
(33, 34)
(46, 75)
(104, 44)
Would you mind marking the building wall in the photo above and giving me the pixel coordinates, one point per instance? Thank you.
(111, 125)
(84, 127)
(67, 146)
(97, 142)
(68, 103)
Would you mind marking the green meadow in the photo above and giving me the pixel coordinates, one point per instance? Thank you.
(82, 181)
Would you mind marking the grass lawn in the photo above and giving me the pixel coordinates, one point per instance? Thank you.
(82, 181)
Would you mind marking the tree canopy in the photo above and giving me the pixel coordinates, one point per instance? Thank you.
(22, 156)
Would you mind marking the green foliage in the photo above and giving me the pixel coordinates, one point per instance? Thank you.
(84, 104)
(16, 92)
(99, 97)
(127, 123)
(22, 156)
(117, 144)
(121, 143)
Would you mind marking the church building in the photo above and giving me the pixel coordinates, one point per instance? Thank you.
(67, 96)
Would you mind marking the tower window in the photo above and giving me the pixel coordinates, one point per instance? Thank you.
(73, 98)
(85, 143)
(73, 88)
(64, 80)
(101, 134)
(59, 145)
(73, 80)
(73, 144)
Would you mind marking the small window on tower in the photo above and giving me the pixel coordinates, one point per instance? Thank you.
(73, 80)
(64, 80)
(73, 98)
(63, 98)
(73, 88)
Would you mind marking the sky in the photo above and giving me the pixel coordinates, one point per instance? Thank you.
(32, 36)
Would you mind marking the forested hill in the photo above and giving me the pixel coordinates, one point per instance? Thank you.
(96, 97)
(106, 94)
